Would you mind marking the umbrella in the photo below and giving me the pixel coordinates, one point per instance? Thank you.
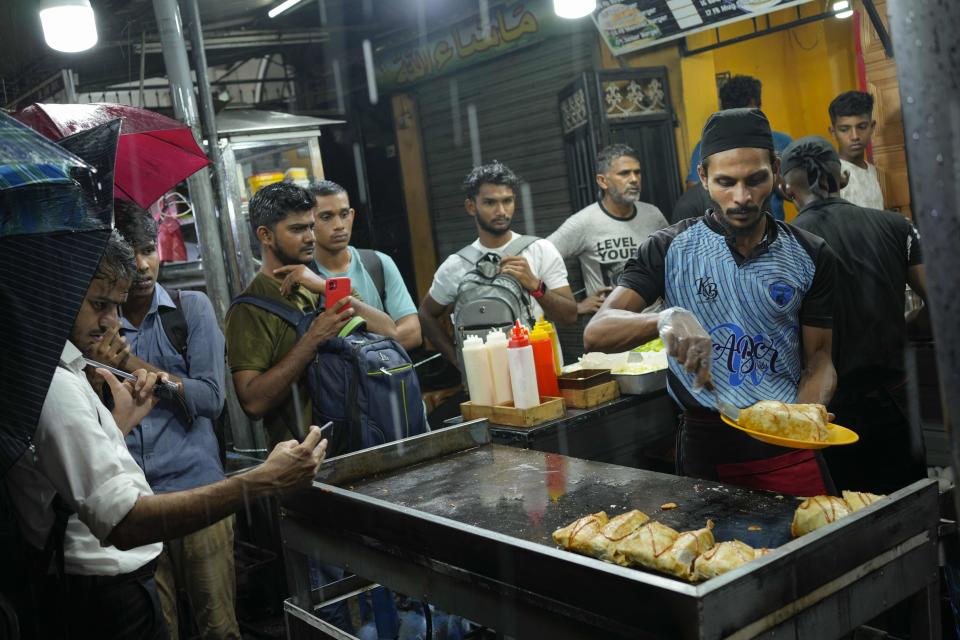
(52, 234)
(154, 153)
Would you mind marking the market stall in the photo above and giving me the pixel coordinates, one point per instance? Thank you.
(465, 524)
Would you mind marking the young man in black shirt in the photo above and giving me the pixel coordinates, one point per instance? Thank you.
(878, 253)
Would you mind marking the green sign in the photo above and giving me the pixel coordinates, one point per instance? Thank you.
(477, 39)
(629, 25)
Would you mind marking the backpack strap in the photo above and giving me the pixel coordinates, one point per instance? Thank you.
(285, 312)
(374, 266)
(174, 324)
(471, 254)
(518, 245)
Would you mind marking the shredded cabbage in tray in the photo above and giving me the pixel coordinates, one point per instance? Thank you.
(618, 362)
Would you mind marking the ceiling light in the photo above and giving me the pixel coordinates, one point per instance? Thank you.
(574, 8)
(283, 6)
(844, 14)
(68, 25)
(841, 6)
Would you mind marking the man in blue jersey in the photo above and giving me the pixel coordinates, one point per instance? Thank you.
(750, 317)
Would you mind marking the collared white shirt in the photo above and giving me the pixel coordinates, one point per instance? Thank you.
(79, 453)
(863, 189)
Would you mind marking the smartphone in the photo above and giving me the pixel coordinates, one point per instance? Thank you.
(337, 289)
(166, 390)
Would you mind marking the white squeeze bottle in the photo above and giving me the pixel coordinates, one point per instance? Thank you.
(476, 362)
(523, 374)
(499, 366)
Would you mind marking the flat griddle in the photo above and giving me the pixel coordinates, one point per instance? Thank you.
(466, 524)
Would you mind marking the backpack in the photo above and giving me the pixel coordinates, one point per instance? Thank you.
(486, 299)
(363, 382)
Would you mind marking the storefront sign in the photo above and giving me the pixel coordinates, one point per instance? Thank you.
(480, 38)
(629, 25)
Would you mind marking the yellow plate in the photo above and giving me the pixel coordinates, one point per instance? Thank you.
(837, 435)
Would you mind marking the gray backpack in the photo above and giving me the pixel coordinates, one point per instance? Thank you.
(487, 299)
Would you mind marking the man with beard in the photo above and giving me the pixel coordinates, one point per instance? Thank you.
(750, 317)
(605, 234)
(266, 359)
(491, 191)
(878, 254)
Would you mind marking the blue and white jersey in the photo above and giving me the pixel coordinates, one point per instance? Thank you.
(752, 307)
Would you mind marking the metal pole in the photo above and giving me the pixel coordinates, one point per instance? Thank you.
(185, 110)
(925, 41)
(240, 273)
(206, 216)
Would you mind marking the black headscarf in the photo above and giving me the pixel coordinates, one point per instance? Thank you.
(814, 154)
(736, 129)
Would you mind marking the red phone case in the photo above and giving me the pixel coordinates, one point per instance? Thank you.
(336, 290)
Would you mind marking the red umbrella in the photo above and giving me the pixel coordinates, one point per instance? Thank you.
(154, 153)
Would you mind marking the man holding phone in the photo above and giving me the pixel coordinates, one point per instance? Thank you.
(266, 358)
(81, 490)
(371, 277)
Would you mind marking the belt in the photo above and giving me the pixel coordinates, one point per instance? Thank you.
(98, 582)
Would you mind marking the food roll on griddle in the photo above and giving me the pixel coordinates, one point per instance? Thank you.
(578, 535)
(724, 557)
(605, 544)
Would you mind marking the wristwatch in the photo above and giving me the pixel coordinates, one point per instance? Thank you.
(540, 291)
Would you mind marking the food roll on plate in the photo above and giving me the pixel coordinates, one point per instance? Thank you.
(795, 421)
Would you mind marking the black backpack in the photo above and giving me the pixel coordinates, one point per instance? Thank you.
(363, 382)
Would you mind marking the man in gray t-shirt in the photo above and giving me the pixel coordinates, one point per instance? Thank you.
(607, 233)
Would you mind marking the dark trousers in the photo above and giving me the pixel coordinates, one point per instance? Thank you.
(886, 458)
(114, 607)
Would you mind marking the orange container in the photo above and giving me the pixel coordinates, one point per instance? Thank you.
(543, 362)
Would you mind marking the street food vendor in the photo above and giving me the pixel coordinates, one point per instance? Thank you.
(750, 313)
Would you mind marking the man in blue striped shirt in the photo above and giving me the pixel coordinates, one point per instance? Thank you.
(751, 312)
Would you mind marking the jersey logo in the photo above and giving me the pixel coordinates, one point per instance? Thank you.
(782, 293)
(707, 288)
(744, 357)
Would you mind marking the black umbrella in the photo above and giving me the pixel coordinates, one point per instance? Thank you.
(52, 234)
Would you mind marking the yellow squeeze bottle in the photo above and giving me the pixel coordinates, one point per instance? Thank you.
(545, 325)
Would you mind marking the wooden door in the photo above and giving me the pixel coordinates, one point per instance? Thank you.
(889, 154)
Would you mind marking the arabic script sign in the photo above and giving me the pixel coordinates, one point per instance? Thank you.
(476, 39)
(629, 25)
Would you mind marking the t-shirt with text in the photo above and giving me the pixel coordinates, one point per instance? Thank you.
(603, 243)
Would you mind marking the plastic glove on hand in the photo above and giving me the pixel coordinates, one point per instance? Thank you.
(688, 343)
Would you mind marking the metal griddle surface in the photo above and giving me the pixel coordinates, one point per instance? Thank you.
(528, 494)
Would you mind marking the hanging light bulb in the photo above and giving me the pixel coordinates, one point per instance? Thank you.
(574, 8)
(68, 25)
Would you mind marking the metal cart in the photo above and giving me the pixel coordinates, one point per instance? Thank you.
(465, 524)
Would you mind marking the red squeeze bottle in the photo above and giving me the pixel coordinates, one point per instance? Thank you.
(543, 362)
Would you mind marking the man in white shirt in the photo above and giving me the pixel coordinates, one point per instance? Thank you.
(491, 191)
(78, 459)
(605, 234)
(851, 115)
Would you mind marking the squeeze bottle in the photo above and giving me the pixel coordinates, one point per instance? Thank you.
(523, 373)
(543, 361)
(557, 351)
(476, 363)
(499, 366)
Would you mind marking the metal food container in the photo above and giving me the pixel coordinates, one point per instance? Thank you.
(583, 379)
(639, 384)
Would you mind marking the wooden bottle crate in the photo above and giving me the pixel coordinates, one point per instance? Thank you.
(591, 396)
(548, 409)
